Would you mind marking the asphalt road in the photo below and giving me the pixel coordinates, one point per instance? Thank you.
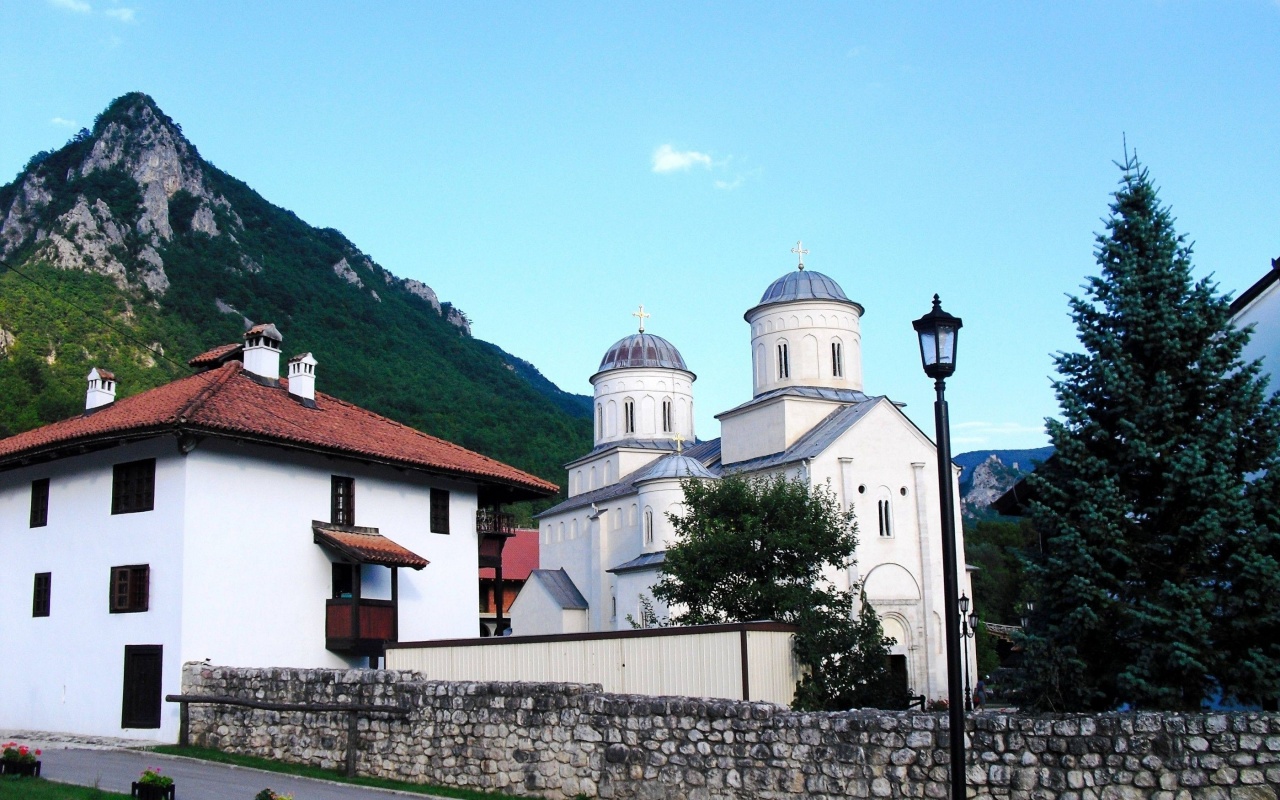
(115, 771)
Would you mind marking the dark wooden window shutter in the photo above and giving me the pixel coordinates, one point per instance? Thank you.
(133, 487)
(40, 597)
(40, 503)
(342, 500)
(439, 511)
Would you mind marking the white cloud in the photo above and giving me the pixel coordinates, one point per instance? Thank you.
(1006, 435)
(63, 123)
(729, 186)
(78, 6)
(667, 159)
(122, 14)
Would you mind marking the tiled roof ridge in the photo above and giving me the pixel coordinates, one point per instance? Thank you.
(217, 378)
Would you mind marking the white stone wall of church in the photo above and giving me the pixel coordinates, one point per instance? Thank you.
(808, 328)
(1264, 314)
(65, 672)
(902, 573)
(249, 511)
(646, 387)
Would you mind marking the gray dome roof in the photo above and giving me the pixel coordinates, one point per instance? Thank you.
(642, 350)
(803, 284)
(677, 466)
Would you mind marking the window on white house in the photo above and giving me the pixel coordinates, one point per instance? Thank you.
(342, 500)
(666, 416)
(40, 503)
(40, 597)
(837, 360)
(133, 487)
(648, 525)
(784, 361)
(439, 511)
(130, 589)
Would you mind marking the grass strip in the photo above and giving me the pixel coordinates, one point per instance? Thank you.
(15, 788)
(307, 771)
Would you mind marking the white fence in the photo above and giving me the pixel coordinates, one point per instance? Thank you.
(741, 661)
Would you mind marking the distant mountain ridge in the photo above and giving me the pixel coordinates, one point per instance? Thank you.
(171, 256)
(987, 474)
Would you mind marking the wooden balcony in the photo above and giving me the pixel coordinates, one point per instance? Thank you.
(495, 523)
(359, 627)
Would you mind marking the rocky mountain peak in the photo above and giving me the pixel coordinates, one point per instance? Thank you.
(103, 202)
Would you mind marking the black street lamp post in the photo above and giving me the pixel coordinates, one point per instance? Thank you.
(968, 630)
(938, 332)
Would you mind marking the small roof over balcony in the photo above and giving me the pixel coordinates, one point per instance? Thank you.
(365, 546)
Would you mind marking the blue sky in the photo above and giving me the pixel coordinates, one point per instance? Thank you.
(549, 167)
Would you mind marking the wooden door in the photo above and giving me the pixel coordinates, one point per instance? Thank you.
(142, 677)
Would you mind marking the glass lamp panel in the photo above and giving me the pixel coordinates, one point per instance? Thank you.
(947, 344)
(928, 348)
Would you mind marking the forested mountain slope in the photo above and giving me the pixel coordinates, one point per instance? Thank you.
(169, 256)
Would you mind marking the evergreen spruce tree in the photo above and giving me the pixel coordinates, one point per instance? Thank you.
(1160, 581)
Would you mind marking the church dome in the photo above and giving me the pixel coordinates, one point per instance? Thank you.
(642, 350)
(803, 284)
(676, 466)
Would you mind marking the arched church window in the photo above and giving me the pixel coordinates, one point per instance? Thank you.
(599, 420)
(837, 360)
(666, 416)
(784, 361)
(886, 518)
(648, 525)
(629, 416)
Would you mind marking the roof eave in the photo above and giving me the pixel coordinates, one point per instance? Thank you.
(509, 490)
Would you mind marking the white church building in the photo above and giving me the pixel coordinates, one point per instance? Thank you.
(232, 517)
(602, 549)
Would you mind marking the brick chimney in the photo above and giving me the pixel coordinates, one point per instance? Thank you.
(102, 389)
(262, 351)
(302, 378)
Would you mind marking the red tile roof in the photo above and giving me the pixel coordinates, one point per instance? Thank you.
(520, 555)
(227, 401)
(217, 355)
(367, 546)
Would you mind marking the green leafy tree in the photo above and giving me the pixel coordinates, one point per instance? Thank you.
(756, 549)
(1160, 581)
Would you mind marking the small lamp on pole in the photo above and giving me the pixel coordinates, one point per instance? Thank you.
(968, 630)
(938, 332)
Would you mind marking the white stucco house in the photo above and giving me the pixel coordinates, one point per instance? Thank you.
(1259, 306)
(809, 417)
(229, 516)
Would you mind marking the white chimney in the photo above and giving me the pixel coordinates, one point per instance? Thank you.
(302, 377)
(262, 351)
(102, 389)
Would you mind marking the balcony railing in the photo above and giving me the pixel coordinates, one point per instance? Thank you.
(359, 627)
(495, 523)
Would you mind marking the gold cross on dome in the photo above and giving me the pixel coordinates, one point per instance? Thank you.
(642, 316)
(679, 443)
(800, 253)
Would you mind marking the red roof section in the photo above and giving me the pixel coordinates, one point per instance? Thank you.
(520, 555)
(216, 356)
(368, 547)
(228, 401)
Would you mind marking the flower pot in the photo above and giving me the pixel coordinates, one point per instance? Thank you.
(151, 791)
(27, 769)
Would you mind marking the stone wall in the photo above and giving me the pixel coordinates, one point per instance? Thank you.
(565, 740)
